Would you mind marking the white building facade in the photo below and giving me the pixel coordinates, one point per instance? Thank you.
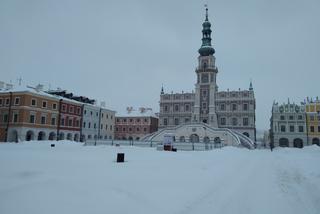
(288, 125)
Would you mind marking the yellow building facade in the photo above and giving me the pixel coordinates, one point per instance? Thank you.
(313, 121)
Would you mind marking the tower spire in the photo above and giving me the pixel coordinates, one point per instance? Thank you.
(250, 86)
(206, 6)
(206, 49)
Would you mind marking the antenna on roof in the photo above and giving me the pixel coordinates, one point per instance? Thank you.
(19, 81)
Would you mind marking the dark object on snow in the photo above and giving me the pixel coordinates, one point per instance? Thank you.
(174, 149)
(271, 146)
(167, 148)
(53, 145)
(120, 157)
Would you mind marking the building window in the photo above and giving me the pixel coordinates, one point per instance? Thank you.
(62, 122)
(101, 126)
(85, 112)
(1, 100)
(187, 108)
(17, 101)
(43, 119)
(282, 117)
(15, 117)
(223, 121)
(283, 128)
(89, 125)
(291, 128)
(245, 106)
(32, 118)
(165, 121)
(79, 111)
(54, 106)
(123, 129)
(145, 129)
(91, 113)
(318, 128)
(130, 129)
(110, 127)
(77, 123)
(234, 121)
(222, 107)
(138, 129)
(71, 109)
(33, 102)
(106, 126)
(245, 121)
(138, 120)
(53, 121)
(70, 122)
(97, 114)
(118, 120)
(117, 129)
(124, 120)
(7, 101)
(166, 109)
(300, 128)
(176, 121)
(311, 128)
(186, 120)
(130, 120)
(5, 117)
(64, 108)
(311, 118)
(291, 117)
(84, 124)
(234, 107)
(145, 120)
(95, 126)
(44, 104)
(176, 107)
(299, 117)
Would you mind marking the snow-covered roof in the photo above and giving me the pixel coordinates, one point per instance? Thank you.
(39, 90)
(141, 112)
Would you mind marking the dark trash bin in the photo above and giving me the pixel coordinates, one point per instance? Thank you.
(120, 157)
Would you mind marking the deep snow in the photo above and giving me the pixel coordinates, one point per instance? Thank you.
(72, 178)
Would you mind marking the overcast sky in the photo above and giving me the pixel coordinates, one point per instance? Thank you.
(122, 52)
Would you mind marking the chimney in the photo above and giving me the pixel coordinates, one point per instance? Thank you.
(9, 86)
(2, 85)
(39, 87)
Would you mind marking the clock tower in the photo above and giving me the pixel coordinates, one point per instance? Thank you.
(206, 87)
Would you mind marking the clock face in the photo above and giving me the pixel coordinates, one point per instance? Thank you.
(204, 78)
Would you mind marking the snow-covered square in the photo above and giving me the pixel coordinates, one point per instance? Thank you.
(71, 178)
